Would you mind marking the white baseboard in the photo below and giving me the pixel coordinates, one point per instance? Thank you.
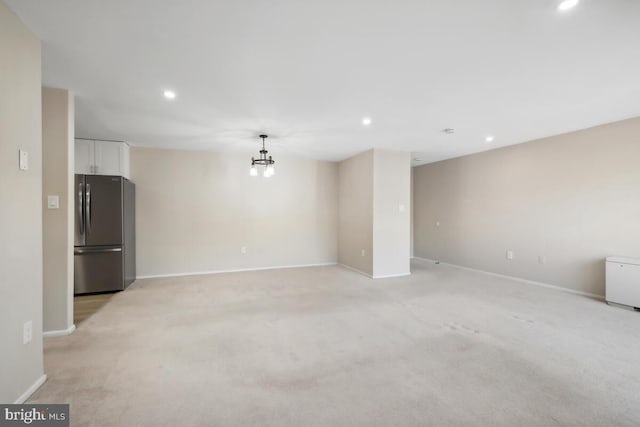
(427, 260)
(623, 306)
(516, 279)
(59, 332)
(238, 270)
(348, 267)
(389, 276)
(27, 394)
(386, 276)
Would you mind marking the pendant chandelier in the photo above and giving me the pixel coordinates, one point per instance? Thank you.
(263, 160)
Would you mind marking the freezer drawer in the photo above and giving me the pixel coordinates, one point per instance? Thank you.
(97, 270)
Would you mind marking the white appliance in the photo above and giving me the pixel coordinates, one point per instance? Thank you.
(623, 281)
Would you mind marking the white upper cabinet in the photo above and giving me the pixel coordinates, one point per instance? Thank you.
(107, 155)
(95, 157)
(84, 156)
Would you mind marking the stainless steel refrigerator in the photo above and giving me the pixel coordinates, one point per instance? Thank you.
(104, 253)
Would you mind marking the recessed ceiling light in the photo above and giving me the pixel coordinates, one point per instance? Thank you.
(567, 4)
(366, 121)
(489, 138)
(169, 94)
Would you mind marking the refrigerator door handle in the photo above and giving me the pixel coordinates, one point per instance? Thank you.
(80, 208)
(96, 250)
(88, 208)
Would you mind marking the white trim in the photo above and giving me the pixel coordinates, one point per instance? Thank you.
(623, 306)
(516, 279)
(431, 261)
(59, 332)
(239, 270)
(389, 276)
(348, 267)
(27, 394)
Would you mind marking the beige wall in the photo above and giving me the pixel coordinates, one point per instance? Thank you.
(375, 213)
(391, 213)
(21, 212)
(57, 179)
(355, 228)
(196, 210)
(573, 199)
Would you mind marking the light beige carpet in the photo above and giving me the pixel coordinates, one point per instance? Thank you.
(327, 347)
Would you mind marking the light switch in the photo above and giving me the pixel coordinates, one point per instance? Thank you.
(401, 208)
(53, 202)
(24, 160)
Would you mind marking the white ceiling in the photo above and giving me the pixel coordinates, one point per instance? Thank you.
(306, 72)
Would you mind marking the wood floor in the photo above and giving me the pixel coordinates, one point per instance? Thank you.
(84, 306)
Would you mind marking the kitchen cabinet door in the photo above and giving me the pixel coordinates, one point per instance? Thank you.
(108, 158)
(124, 160)
(84, 156)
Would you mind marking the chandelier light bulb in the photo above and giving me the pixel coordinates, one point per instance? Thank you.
(263, 160)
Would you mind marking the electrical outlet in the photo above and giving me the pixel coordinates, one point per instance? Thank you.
(362, 252)
(27, 332)
(509, 255)
(243, 250)
(24, 160)
(542, 259)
